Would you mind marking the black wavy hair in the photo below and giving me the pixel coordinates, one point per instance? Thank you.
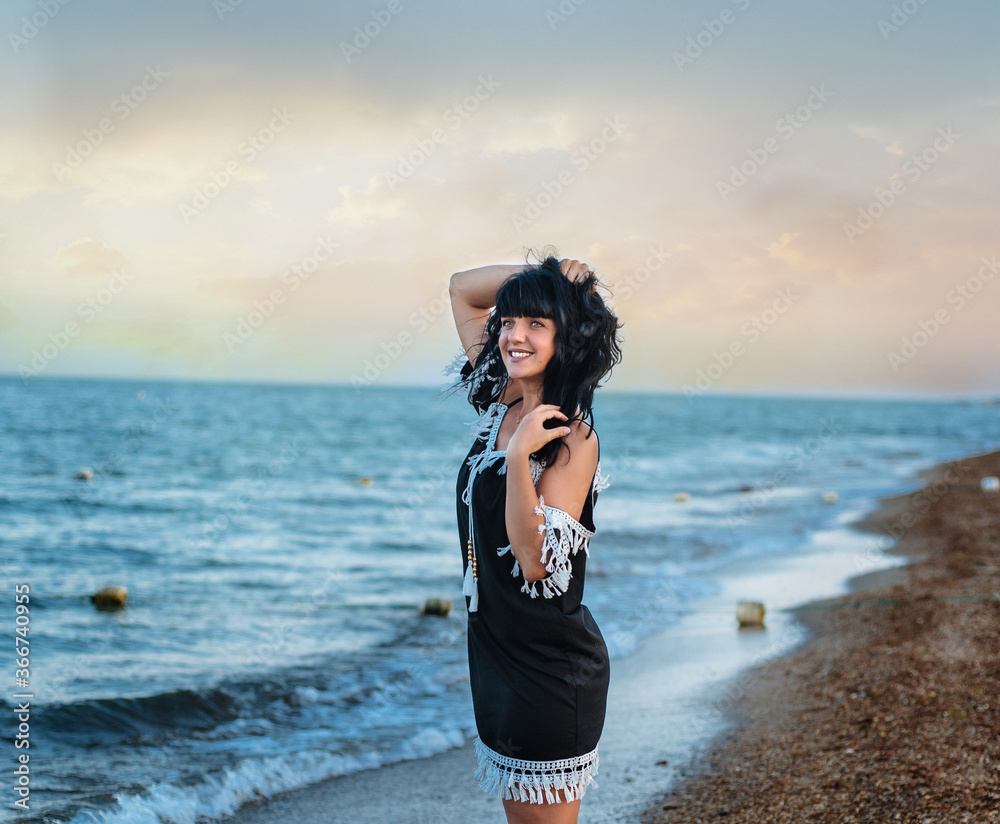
(587, 344)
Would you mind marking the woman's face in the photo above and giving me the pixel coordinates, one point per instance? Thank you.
(527, 345)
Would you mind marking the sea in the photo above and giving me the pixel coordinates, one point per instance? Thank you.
(277, 543)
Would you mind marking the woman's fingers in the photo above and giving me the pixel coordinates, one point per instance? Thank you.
(552, 434)
(532, 434)
(566, 266)
(535, 439)
(574, 270)
(545, 411)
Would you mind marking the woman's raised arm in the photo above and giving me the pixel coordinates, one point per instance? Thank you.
(473, 294)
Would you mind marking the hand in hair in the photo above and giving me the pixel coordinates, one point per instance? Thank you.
(575, 271)
(531, 434)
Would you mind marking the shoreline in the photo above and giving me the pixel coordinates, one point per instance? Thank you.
(678, 705)
(669, 700)
(888, 711)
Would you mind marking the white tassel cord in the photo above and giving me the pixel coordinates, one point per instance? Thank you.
(536, 782)
(471, 588)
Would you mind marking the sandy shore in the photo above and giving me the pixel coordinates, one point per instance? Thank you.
(891, 711)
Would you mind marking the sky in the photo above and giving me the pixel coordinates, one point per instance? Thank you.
(781, 197)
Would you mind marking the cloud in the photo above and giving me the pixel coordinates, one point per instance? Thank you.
(534, 134)
(374, 162)
(90, 257)
(362, 207)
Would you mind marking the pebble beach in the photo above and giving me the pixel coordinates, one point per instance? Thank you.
(890, 711)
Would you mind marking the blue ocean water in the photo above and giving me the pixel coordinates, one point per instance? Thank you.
(277, 542)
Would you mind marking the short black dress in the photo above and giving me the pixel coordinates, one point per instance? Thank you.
(538, 664)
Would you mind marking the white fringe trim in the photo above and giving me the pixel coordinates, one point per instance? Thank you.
(503, 551)
(483, 425)
(454, 369)
(564, 537)
(536, 782)
(601, 481)
(536, 470)
(480, 374)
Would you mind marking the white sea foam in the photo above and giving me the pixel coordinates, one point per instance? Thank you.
(255, 778)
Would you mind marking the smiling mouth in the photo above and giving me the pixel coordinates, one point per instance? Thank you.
(518, 354)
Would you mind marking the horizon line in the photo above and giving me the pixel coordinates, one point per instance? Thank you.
(985, 397)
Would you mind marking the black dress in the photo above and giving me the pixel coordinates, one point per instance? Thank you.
(538, 664)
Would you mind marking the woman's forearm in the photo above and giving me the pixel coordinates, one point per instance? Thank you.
(478, 287)
(522, 520)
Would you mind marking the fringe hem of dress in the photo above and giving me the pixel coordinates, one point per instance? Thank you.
(536, 782)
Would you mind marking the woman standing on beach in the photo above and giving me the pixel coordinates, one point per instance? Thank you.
(526, 492)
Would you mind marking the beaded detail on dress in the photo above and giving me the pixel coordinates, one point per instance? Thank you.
(488, 425)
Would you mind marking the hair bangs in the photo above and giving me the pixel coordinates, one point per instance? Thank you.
(527, 295)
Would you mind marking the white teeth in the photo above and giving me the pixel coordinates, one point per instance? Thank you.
(518, 355)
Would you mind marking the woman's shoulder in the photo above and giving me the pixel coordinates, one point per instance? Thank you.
(568, 484)
(584, 446)
(582, 430)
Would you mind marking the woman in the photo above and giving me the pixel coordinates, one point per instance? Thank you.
(526, 492)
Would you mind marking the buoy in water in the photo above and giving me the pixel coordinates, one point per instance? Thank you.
(682, 496)
(990, 484)
(750, 614)
(830, 497)
(84, 475)
(110, 599)
(436, 606)
(365, 481)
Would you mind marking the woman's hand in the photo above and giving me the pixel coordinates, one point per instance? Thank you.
(531, 435)
(574, 270)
